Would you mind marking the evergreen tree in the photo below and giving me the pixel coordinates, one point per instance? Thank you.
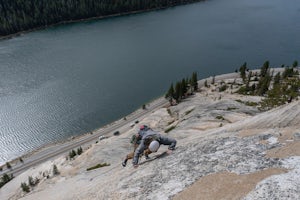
(170, 93)
(243, 69)
(194, 81)
(295, 64)
(5, 179)
(178, 92)
(25, 187)
(8, 165)
(263, 84)
(205, 83)
(248, 81)
(55, 170)
(277, 78)
(183, 87)
(213, 80)
(31, 181)
(79, 151)
(264, 69)
(72, 153)
(288, 72)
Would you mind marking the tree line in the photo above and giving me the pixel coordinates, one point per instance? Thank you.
(277, 88)
(182, 88)
(22, 15)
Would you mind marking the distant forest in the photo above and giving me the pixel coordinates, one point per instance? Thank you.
(22, 15)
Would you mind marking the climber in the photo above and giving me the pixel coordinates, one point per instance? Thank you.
(136, 140)
(152, 140)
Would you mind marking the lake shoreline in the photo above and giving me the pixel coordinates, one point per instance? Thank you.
(26, 157)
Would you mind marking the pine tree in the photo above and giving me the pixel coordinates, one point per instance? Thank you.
(264, 69)
(55, 170)
(79, 151)
(170, 93)
(6, 178)
(295, 64)
(25, 187)
(178, 92)
(248, 81)
(72, 153)
(277, 78)
(194, 81)
(183, 87)
(213, 80)
(242, 70)
(205, 83)
(8, 165)
(263, 84)
(30, 181)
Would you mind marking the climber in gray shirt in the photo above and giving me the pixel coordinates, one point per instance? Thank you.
(152, 140)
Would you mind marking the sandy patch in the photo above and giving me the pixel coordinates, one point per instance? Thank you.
(291, 146)
(207, 125)
(290, 149)
(250, 132)
(287, 134)
(225, 185)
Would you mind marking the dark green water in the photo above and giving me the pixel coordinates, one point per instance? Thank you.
(70, 79)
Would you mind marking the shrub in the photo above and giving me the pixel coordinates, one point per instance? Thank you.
(250, 103)
(98, 166)
(55, 170)
(79, 151)
(220, 117)
(282, 93)
(169, 129)
(205, 83)
(8, 165)
(72, 154)
(213, 80)
(295, 64)
(242, 90)
(231, 108)
(189, 111)
(242, 70)
(25, 187)
(223, 88)
(5, 179)
(31, 181)
(169, 111)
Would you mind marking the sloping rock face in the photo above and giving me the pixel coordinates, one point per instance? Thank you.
(171, 174)
(281, 117)
(214, 134)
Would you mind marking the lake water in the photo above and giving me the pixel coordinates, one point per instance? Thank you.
(70, 79)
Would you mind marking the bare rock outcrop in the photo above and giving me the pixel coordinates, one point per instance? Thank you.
(215, 136)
